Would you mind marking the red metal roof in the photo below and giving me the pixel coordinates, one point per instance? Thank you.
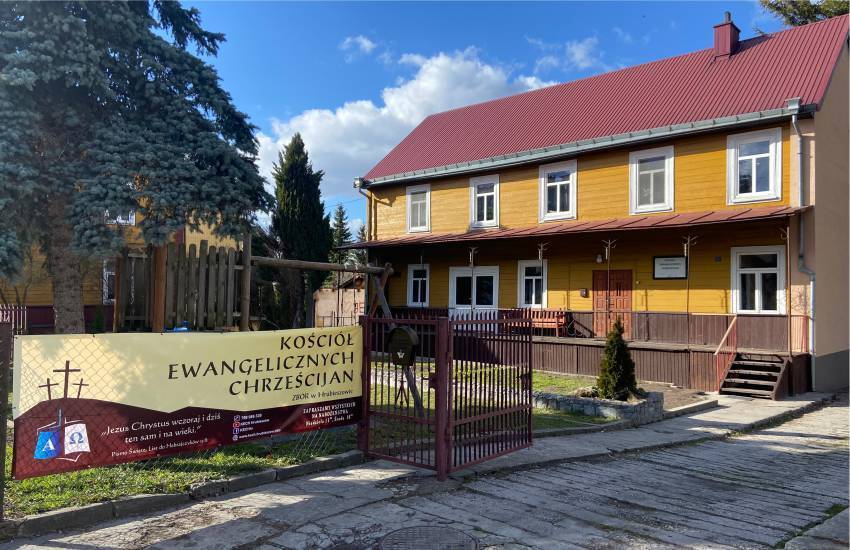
(764, 73)
(658, 221)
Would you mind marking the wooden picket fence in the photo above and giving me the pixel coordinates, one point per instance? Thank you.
(202, 288)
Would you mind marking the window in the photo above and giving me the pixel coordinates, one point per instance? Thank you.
(531, 286)
(108, 281)
(484, 196)
(754, 169)
(127, 219)
(558, 191)
(474, 287)
(417, 285)
(758, 279)
(418, 208)
(651, 180)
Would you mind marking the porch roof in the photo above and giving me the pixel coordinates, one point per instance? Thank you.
(655, 221)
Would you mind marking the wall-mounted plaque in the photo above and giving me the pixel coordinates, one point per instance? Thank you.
(669, 267)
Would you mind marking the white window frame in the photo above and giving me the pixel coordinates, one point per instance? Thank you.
(737, 252)
(129, 219)
(733, 143)
(104, 285)
(473, 272)
(473, 184)
(520, 295)
(545, 169)
(412, 189)
(410, 268)
(669, 179)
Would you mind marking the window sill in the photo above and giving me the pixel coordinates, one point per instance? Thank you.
(655, 209)
(488, 225)
(419, 230)
(557, 217)
(747, 199)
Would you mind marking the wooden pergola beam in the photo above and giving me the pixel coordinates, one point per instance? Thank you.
(315, 266)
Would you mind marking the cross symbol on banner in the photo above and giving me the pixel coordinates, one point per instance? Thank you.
(80, 385)
(67, 370)
(48, 385)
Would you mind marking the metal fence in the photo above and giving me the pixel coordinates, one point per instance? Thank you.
(465, 399)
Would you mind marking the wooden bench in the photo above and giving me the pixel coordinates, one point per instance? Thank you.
(556, 320)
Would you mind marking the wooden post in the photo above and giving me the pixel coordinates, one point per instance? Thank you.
(245, 302)
(158, 302)
(117, 304)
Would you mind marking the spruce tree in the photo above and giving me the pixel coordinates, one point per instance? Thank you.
(104, 111)
(299, 220)
(341, 235)
(617, 371)
(802, 12)
(359, 255)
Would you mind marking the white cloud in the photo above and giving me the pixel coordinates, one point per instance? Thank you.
(584, 54)
(581, 55)
(623, 35)
(355, 45)
(348, 140)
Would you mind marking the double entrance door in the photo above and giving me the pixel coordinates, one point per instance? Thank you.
(473, 289)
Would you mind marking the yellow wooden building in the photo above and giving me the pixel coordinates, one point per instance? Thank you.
(678, 195)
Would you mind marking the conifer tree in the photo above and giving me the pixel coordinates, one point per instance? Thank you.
(802, 12)
(299, 220)
(104, 111)
(341, 236)
(617, 371)
(359, 254)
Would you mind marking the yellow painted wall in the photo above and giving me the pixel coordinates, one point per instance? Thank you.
(206, 233)
(602, 188)
(571, 262)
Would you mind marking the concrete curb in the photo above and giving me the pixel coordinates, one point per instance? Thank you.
(611, 453)
(689, 409)
(557, 432)
(84, 516)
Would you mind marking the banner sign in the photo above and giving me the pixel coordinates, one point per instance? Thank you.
(90, 400)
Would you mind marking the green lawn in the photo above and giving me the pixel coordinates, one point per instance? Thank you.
(559, 383)
(165, 475)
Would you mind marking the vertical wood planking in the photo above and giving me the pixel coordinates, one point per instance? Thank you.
(192, 285)
(170, 284)
(212, 269)
(230, 300)
(221, 294)
(181, 285)
(202, 284)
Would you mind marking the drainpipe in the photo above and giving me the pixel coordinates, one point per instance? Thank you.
(794, 107)
(359, 183)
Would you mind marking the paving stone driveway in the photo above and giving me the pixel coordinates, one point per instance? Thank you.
(749, 491)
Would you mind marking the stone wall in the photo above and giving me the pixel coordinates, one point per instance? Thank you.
(645, 411)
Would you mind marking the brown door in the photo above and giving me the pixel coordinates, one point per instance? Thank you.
(620, 300)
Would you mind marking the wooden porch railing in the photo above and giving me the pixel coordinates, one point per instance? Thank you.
(14, 315)
(764, 332)
(726, 351)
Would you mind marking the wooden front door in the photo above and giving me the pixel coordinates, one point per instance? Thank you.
(620, 300)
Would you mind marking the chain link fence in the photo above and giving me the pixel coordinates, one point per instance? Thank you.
(59, 419)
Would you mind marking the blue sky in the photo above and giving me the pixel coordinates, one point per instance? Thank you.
(355, 78)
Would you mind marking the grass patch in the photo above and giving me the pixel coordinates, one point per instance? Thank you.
(163, 475)
(559, 383)
(829, 513)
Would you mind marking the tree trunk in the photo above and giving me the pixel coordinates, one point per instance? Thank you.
(296, 304)
(66, 274)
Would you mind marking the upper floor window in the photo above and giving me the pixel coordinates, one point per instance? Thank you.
(754, 169)
(417, 285)
(126, 219)
(531, 287)
(758, 279)
(558, 191)
(419, 208)
(108, 286)
(484, 196)
(651, 180)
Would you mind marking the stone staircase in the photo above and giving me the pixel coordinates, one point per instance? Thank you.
(755, 376)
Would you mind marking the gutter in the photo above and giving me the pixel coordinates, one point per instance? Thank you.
(557, 152)
(794, 107)
(360, 184)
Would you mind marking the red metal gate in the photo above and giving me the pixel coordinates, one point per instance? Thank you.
(466, 399)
